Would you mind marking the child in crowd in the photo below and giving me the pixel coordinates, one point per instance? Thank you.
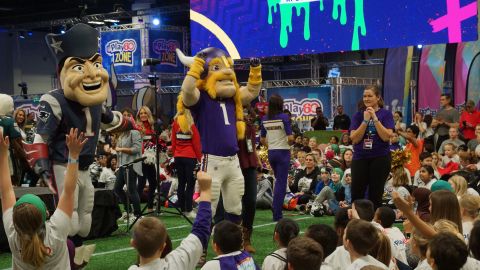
(304, 253)
(36, 243)
(446, 252)
(264, 190)
(425, 159)
(359, 239)
(419, 245)
(227, 244)
(427, 177)
(149, 236)
(285, 230)
(399, 182)
(450, 154)
(347, 185)
(326, 237)
(333, 193)
(395, 142)
(385, 216)
(107, 176)
(460, 186)
(469, 206)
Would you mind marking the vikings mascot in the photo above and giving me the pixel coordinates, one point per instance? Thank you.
(85, 86)
(210, 90)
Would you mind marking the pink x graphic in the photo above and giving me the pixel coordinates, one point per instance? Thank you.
(453, 19)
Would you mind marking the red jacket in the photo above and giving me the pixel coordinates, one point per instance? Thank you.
(186, 145)
(470, 118)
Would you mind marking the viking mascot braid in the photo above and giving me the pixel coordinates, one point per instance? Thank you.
(210, 90)
(78, 104)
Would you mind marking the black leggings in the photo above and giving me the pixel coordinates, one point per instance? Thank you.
(186, 182)
(371, 173)
(148, 171)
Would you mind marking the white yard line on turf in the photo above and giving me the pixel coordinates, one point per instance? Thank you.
(180, 239)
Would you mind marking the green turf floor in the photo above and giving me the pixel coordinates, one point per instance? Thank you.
(115, 253)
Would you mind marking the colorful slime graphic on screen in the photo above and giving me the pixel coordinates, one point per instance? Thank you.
(263, 28)
(287, 7)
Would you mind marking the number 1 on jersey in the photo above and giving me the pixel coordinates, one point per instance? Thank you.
(224, 110)
(88, 128)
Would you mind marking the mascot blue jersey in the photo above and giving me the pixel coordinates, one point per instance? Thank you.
(57, 115)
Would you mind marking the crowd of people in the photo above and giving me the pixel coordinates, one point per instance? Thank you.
(379, 172)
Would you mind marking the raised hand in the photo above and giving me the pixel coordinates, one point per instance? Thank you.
(402, 204)
(75, 142)
(254, 62)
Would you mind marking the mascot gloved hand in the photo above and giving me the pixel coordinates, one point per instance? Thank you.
(211, 91)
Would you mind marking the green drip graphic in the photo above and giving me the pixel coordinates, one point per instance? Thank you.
(286, 12)
(359, 22)
(343, 11)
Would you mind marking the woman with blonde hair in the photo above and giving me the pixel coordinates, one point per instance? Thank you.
(187, 151)
(145, 124)
(20, 117)
(36, 243)
(460, 186)
(469, 206)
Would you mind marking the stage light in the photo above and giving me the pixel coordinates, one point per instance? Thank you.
(111, 20)
(419, 46)
(96, 22)
(21, 34)
(156, 21)
(62, 31)
(30, 33)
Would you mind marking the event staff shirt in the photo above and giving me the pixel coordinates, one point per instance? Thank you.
(276, 130)
(379, 148)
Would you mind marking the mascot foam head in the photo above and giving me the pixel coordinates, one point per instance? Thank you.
(6, 105)
(82, 75)
(219, 80)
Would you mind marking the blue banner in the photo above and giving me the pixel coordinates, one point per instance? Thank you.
(162, 47)
(290, 27)
(123, 48)
(303, 101)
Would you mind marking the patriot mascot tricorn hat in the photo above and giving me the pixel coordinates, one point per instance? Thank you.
(79, 41)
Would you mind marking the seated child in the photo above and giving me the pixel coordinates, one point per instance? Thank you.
(385, 216)
(446, 252)
(326, 237)
(149, 236)
(285, 230)
(425, 159)
(304, 253)
(360, 237)
(228, 244)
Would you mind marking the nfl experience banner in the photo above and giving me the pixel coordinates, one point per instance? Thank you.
(302, 102)
(265, 28)
(123, 48)
(162, 47)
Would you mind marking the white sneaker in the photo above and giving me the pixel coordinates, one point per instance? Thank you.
(190, 214)
(123, 217)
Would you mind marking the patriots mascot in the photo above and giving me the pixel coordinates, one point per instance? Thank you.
(211, 91)
(78, 104)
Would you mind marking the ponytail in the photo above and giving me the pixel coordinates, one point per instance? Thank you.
(34, 251)
(29, 226)
(287, 229)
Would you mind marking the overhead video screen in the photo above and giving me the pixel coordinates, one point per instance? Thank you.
(290, 27)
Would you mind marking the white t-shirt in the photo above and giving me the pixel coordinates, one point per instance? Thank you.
(428, 185)
(246, 264)
(398, 241)
(471, 264)
(276, 136)
(340, 260)
(423, 265)
(108, 177)
(418, 182)
(364, 261)
(467, 227)
(184, 256)
(271, 262)
(56, 232)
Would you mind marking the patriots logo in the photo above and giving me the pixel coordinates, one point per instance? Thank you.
(43, 115)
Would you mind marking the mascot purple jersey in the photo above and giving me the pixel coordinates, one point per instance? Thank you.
(57, 116)
(218, 134)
